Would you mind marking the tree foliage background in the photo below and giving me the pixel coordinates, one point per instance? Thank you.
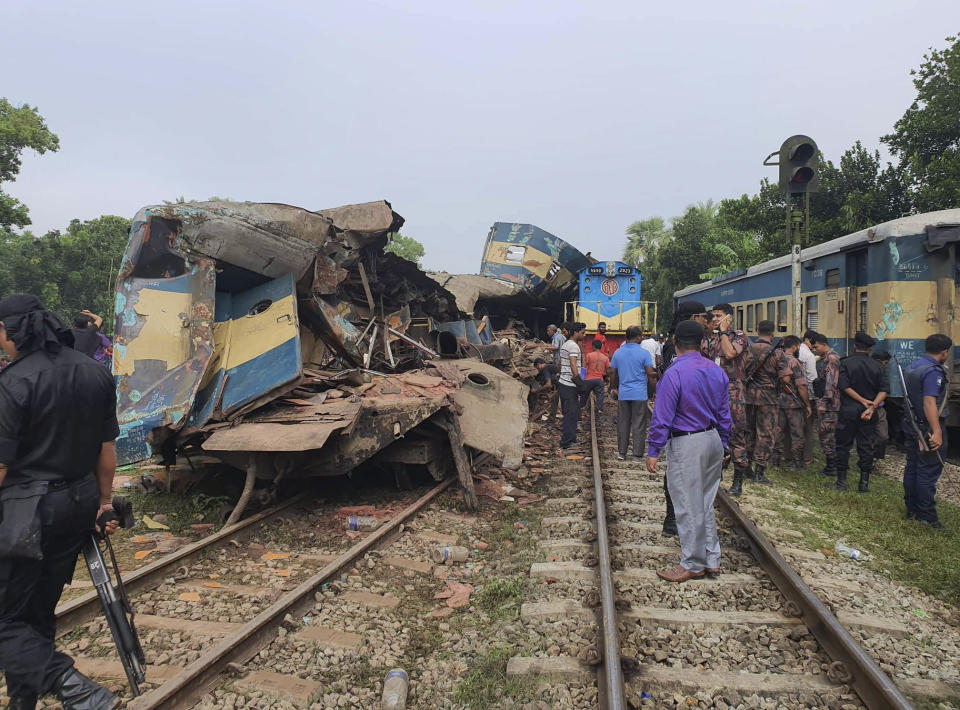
(857, 192)
(405, 247)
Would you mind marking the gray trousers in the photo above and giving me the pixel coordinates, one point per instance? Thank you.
(632, 420)
(693, 477)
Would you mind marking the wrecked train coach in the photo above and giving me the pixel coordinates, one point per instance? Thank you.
(288, 343)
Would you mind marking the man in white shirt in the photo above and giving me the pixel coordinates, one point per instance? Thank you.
(809, 362)
(568, 383)
(653, 346)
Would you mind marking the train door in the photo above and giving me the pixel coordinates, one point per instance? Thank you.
(857, 297)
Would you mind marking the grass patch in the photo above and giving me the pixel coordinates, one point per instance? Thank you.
(487, 683)
(181, 510)
(517, 540)
(502, 598)
(874, 522)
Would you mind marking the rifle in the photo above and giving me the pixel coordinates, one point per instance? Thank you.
(116, 604)
(915, 422)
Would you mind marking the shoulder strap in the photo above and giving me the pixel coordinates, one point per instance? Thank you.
(774, 344)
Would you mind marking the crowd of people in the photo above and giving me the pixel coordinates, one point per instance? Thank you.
(708, 397)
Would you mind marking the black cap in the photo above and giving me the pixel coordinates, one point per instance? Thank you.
(539, 361)
(862, 340)
(689, 308)
(689, 330)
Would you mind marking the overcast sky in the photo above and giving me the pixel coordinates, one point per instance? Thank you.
(580, 117)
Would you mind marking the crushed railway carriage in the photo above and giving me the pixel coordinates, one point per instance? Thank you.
(610, 292)
(250, 331)
(531, 258)
(897, 281)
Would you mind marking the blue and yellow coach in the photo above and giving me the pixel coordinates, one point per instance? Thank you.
(897, 281)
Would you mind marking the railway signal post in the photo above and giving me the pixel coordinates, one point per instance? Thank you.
(798, 160)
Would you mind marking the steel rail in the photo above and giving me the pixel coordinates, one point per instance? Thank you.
(77, 611)
(874, 687)
(186, 688)
(612, 681)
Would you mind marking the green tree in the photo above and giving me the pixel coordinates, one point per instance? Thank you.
(20, 128)
(644, 237)
(926, 139)
(405, 247)
(68, 271)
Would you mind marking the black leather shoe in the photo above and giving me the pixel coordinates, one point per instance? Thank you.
(22, 702)
(77, 692)
(935, 524)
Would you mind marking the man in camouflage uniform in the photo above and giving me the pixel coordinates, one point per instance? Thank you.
(794, 408)
(730, 349)
(826, 390)
(768, 368)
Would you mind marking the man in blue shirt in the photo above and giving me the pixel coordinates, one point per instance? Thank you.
(691, 421)
(630, 370)
(926, 384)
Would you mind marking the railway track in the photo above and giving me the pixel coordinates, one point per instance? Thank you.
(757, 633)
(207, 612)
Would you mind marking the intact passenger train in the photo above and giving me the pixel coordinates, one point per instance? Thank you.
(897, 281)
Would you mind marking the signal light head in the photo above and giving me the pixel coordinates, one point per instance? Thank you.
(799, 160)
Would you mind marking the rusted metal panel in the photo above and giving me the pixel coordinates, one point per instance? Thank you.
(492, 410)
(302, 430)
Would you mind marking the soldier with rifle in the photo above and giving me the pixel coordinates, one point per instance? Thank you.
(769, 368)
(827, 393)
(58, 424)
(925, 434)
(794, 404)
(863, 388)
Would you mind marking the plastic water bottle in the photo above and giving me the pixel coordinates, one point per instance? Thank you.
(395, 690)
(364, 523)
(853, 553)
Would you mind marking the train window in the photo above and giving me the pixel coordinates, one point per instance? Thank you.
(782, 315)
(750, 322)
(515, 255)
(739, 317)
(586, 279)
(833, 278)
(633, 289)
(863, 311)
(812, 315)
(771, 311)
(586, 289)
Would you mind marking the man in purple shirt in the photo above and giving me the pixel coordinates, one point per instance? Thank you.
(691, 420)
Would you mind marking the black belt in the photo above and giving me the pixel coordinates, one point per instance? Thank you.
(675, 434)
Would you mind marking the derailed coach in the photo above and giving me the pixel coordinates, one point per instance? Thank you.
(260, 333)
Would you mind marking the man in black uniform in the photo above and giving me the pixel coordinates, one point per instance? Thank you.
(58, 424)
(927, 384)
(863, 387)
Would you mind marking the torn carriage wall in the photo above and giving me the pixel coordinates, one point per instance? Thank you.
(211, 298)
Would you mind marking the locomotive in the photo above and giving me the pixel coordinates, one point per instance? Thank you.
(610, 293)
